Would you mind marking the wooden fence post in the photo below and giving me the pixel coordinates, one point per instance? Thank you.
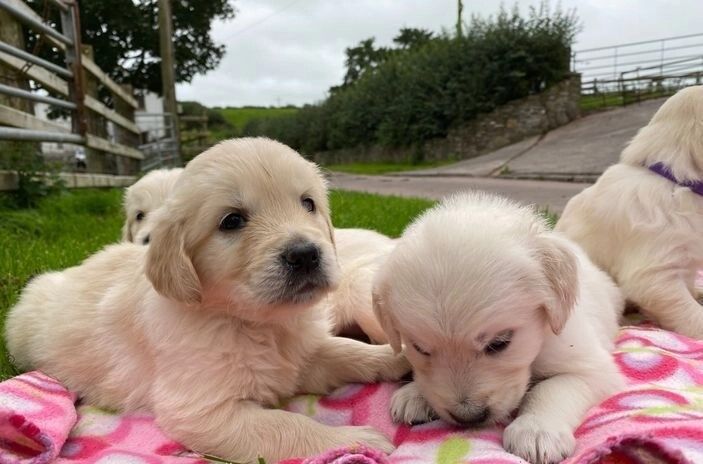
(95, 160)
(11, 33)
(125, 165)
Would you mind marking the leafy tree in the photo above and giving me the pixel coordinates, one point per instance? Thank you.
(426, 84)
(362, 58)
(366, 57)
(125, 37)
(410, 37)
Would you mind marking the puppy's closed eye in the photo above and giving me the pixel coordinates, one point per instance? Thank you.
(499, 344)
(420, 350)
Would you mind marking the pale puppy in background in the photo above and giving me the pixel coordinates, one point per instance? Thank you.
(647, 230)
(488, 302)
(218, 319)
(360, 254)
(142, 199)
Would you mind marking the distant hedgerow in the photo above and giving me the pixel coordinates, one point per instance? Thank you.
(417, 91)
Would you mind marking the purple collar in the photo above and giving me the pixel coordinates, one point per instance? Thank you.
(664, 171)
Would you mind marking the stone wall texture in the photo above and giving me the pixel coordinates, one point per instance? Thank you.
(508, 124)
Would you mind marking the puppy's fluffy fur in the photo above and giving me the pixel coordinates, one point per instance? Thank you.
(213, 323)
(644, 229)
(360, 253)
(142, 199)
(488, 300)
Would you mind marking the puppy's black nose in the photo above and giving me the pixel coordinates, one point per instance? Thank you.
(146, 240)
(304, 257)
(472, 418)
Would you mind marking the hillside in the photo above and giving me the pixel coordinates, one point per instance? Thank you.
(238, 117)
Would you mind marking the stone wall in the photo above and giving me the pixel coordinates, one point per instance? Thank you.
(510, 123)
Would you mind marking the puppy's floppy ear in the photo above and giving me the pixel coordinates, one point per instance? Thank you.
(168, 266)
(561, 271)
(127, 231)
(126, 227)
(330, 230)
(379, 296)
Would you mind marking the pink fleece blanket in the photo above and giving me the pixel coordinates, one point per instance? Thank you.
(659, 416)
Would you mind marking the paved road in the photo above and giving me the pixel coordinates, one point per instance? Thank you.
(581, 150)
(550, 194)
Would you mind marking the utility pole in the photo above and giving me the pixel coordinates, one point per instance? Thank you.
(460, 8)
(168, 68)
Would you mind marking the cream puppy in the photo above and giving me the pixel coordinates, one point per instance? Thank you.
(218, 319)
(142, 199)
(359, 254)
(642, 221)
(497, 312)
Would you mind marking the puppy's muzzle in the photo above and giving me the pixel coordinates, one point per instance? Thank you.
(301, 257)
(469, 415)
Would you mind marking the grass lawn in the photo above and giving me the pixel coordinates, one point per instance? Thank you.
(603, 101)
(384, 168)
(67, 228)
(238, 117)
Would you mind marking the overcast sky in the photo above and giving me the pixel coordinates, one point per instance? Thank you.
(292, 51)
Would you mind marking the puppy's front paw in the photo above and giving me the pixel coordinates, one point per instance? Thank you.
(394, 366)
(410, 407)
(539, 441)
(368, 436)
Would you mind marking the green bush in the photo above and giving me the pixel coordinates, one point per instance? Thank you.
(410, 94)
(36, 178)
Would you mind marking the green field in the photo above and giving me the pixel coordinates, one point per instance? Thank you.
(66, 228)
(384, 168)
(238, 117)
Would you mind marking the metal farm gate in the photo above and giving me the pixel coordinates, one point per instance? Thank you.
(107, 132)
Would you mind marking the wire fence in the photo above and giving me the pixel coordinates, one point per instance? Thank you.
(638, 70)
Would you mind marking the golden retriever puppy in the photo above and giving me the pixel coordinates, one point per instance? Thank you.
(360, 253)
(142, 199)
(218, 319)
(642, 221)
(498, 312)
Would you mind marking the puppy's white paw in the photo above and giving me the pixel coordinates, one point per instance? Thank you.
(395, 365)
(410, 407)
(537, 440)
(368, 436)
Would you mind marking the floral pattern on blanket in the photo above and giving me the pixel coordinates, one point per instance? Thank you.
(659, 415)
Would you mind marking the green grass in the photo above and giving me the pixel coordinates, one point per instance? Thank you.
(59, 233)
(386, 214)
(238, 117)
(602, 101)
(384, 168)
(65, 229)
(596, 102)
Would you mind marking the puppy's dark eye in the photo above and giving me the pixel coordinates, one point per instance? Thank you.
(140, 215)
(232, 221)
(498, 344)
(420, 350)
(308, 204)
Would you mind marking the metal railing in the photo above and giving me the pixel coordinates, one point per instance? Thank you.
(108, 133)
(661, 65)
(159, 140)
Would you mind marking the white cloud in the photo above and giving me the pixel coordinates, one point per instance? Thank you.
(292, 51)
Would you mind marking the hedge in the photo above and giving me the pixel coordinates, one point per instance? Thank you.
(420, 93)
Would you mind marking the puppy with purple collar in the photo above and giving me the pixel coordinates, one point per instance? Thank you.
(642, 221)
